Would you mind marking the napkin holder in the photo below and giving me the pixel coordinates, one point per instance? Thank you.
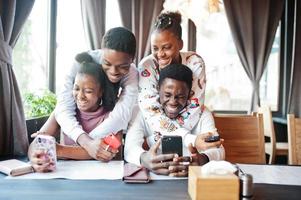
(219, 186)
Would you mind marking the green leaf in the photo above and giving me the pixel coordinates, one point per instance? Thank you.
(38, 104)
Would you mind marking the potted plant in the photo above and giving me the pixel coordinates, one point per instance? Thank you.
(37, 107)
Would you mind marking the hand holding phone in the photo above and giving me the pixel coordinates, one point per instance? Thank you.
(212, 138)
(47, 144)
(112, 141)
(172, 144)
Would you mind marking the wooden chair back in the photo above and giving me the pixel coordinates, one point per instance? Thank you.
(272, 148)
(244, 138)
(268, 126)
(294, 139)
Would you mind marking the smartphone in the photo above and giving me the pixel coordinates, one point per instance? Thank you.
(212, 138)
(112, 141)
(47, 143)
(172, 144)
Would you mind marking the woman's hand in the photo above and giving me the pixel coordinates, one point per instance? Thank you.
(159, 164)
(201, 145)
(100, 150)
(40, 161)
(38, 133)
(105, 153)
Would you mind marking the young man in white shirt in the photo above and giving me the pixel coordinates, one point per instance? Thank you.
(116, 58)
(175, 84)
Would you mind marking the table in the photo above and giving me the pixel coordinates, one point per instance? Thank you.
(57, 189)
(100, 189)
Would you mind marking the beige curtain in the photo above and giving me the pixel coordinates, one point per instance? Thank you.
(13, 132)
(253, 25)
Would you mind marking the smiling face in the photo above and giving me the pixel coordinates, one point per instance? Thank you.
(116, 64)
(166, 47)
(86, 92)
(173, 96)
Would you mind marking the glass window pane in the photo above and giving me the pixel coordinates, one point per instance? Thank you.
(30, 52)
(228, 86)
(113, 19)
(70, 37)
(269, 83)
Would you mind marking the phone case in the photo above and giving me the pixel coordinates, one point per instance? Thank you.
(47, 143)
(172, 144)
(135, 174)
(112, 141)
(212, 138)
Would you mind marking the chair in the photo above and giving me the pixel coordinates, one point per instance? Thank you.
(294, 139)
(272, 148)
(244, 138)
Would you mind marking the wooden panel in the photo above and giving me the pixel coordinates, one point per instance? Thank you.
(298, 141)
(244, 138)
(294, 139)
(212, 186)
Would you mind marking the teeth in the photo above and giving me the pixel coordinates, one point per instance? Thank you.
(173, 109)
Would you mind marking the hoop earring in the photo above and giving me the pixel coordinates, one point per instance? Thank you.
(100, 103)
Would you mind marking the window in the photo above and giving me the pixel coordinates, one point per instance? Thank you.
(228, 86)
(30, 52)
(70, 34)
(269, 83)
(70, 38)
(113, 19)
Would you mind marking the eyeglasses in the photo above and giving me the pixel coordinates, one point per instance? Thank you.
(163, 22)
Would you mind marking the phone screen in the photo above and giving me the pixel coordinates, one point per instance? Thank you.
(172, 144)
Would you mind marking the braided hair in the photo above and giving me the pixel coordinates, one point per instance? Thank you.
(170, 21)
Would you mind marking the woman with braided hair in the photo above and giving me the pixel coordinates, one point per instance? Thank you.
(166, 46)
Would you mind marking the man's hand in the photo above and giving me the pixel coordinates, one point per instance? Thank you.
(201, 145)
(159, 164)
(180, 169)
(195, 158)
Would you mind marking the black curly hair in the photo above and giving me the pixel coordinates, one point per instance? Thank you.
(120, 39)
(178, 72)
